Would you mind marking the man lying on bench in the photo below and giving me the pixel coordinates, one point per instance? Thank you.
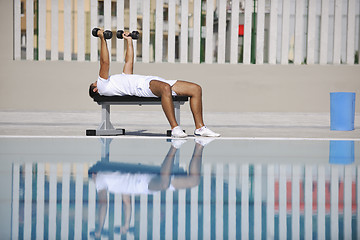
(128, 83)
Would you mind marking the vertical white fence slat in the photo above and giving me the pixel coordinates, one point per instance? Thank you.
(91, 207)
(209, 32)
(234, 32)
(334, 202)
(308, 213)
(219, 207)
(285, 32)
(260, 32)
(347, 202)
(257, 201)
(310, 55)
(80, 31)
(324, 31)
(270, 202)
(321, 201)
(182, 214)
(17, 30)
(350, 45)
(42, 30)
(184, 31)
(27, 200)
(171, 32)
(207, 201)
(295, 202)
(40, 198)
(247, 31)
(29, 29)
(146, 31)
(93, 23)
(54, 30)
(15, 201)
(337, 32)
(67, 30)
(159, 30)
(143, 216)
(232, 202)
(107, 215)
(107, 22)
(52, 200)
(221, 32)
(120, 26)
(196, 31)
(299, 32)
(133, 23)
(282, 202)
(117, 209)
(79, 184)
(273, 31)
(194, 213)
(169, 215)
(132, 219)
(245, 201)
(65, 200)
(156, 216)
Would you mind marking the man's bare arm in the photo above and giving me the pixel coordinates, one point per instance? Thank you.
(104, 56)
(129, 57)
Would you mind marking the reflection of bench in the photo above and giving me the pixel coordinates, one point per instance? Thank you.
(105, 165)
(130, 168)
(107, 129)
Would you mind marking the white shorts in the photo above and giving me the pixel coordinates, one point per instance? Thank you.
(129, 84)
(146, 92)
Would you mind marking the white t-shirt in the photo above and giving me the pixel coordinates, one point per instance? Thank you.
(125, 183)
(128, 84)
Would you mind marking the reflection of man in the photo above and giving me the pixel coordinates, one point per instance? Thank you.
(127, 184)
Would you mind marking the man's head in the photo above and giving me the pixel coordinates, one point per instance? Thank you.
(92, 93)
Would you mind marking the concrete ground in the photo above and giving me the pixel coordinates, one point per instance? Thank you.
(153, 123)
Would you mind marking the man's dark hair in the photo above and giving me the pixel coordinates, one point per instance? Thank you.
(91, 91)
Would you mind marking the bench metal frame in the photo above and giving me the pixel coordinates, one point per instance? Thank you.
(107, 129)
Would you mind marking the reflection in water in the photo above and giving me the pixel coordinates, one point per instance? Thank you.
(207, 200)
(132, 179)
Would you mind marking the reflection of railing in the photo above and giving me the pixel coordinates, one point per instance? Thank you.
(274, 31)
(320, 199)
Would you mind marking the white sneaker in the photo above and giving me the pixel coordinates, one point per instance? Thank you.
(177, 132)
(176, 143)
(205, 132)
(203, 141)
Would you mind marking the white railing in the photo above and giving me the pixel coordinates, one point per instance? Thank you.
(324, 193)
(192, 31)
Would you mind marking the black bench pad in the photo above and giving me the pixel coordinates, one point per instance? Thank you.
(100, 99)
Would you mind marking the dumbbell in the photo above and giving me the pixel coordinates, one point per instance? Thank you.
(107, 33)
(134, 35)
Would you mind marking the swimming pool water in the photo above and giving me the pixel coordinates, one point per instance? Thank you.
(144, 188)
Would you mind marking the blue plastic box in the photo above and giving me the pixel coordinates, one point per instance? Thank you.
(342, 111)
(341, 152)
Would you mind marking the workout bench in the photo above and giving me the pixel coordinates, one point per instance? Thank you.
(107, 129)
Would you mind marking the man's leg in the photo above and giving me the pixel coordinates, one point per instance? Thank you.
(194, 91)
(194, 174)
(162, 181)
(163, 90)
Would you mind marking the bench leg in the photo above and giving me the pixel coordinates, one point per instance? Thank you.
(105, 128)
(105, 118)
